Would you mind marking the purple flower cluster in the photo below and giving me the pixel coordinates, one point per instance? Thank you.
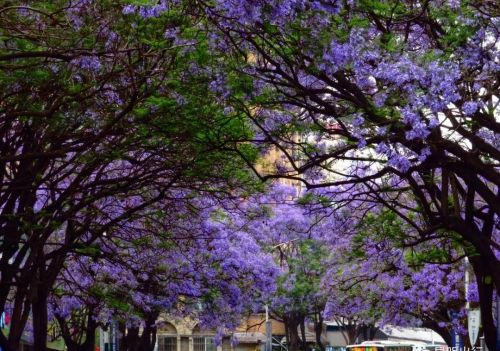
(278, 12)
(394, 158)
(419, 129)
(146, 11)
(469, 107)
(87, 62)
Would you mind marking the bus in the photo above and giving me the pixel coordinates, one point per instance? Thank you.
(381, 345)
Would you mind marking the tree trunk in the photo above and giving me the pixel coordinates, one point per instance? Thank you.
(148, 337)
(77, 345)
(303, 333)
(293, 333)
(66, 335)
(485, 290)
(44, 281)
(4, 343)
(352, 332)
(89, 343)
(19, 317)
(130, 339)
(318, 330)
(40, 319)
(287, 332)
(372, 330)
(365, 333)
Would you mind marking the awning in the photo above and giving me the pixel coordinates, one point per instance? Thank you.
(250, 337)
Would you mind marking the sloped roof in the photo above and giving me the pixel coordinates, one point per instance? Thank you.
(424, 335)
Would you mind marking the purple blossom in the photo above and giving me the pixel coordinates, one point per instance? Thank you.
(111, 95)
(379, 99)
(399, 162)
(358, 120)
(23, 11)
(382, 130)
(218, 85)
(410, 117)
(383, 148)
(469, 108)
(426, 151)
(112, 38)
(329, 6)
(336, 56)
(489, 136)
(433, 122)
(419, 131)
(172, 33)
(153, 11)
(362, 143)
(129, 9)
(87, 62)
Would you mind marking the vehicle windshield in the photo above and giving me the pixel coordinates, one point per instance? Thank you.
(365, 348)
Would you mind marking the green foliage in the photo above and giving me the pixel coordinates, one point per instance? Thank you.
(301, 283)
(385, 225)
(89, 250)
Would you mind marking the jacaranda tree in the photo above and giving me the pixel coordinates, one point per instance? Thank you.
(299, 244)
(352, 266)
(103, 114)
(374, 280)
(399, 97)
(162, 265)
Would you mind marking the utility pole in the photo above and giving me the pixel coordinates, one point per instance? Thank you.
(473, 315)
(269, 331)
(109, 339)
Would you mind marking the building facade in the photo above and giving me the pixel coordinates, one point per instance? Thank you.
(186, 335)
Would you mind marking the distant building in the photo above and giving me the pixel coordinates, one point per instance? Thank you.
(335, 335)
(186, 335)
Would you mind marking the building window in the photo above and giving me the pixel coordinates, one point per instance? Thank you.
(167, 343)
(184, 343)
(226, 344)
(203, 343)
(278, 342)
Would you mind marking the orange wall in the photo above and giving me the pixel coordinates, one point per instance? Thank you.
(256, 323)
